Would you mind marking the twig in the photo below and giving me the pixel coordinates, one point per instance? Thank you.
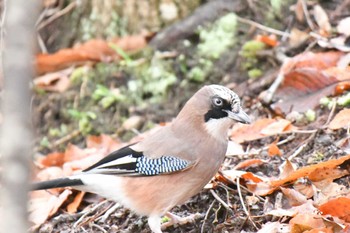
(227, 207)
(243, 203)
(86, 213)
(57, 15)
(331, 114)
(301, 148)
(66, 138)
(110, 211)
(263, 27)
(307, 16)
(266, 96)
(207, 215)
(99, 227)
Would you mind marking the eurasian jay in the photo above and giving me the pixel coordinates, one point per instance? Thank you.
(167, 168)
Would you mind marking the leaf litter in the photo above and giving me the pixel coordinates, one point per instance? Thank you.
(292, 174)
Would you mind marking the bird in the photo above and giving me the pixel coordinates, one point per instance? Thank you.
(170, 166)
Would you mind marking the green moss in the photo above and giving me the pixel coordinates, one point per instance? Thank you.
(255, 73)
(219, 37)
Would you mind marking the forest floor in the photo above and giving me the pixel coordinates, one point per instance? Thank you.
(275, 171)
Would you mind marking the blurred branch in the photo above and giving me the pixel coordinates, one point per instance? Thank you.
(16, 133)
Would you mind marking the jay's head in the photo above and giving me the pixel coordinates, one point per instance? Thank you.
(217, 107)
(222, 103)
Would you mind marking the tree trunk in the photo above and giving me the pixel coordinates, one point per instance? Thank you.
(15, 132)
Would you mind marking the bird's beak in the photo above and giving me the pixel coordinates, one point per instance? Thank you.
(240, 116)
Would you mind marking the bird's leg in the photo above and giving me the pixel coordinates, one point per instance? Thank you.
(154, 223)
(174, 219)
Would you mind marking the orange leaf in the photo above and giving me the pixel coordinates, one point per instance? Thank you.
(260, 129)
(341, 120)
(306, 171)
(270, 40)
(52, 159)
(73, 206)
(249, 162)
(306, 222)
(273, 150)
(307, 78)
(91, 51)
(338, 207)
(57, 81)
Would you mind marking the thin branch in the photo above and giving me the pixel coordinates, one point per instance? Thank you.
(243, 203)
(263, 27)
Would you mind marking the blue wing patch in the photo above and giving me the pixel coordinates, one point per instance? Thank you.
(128, 162)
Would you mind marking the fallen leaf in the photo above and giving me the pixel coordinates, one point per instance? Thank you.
(307, 78)
(305, 187)
(343, 26)
(277, 127)
(341, 120)
(248, 163)
(294, 197)
(302, 222)
(274, 227)
(45, 205)
(322, 20)
(306, 171)
(270, 40)
(297, 37)
(52, 159)
(339, 207)
(91, 51)
(260, 129)
(73, 206)
(56, 81)
(234, 149)
(273, 150)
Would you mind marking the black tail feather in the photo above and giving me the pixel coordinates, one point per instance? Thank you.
(57, 183)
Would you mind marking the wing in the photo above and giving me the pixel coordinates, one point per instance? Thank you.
(128, 162)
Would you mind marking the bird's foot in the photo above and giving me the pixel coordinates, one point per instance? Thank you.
(174, 219)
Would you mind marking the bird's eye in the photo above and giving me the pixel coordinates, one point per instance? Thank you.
(218, 102)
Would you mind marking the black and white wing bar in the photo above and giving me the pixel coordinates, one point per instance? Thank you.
(132, 163)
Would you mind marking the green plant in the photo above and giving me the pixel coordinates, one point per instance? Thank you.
(107, 97)
(84, 120)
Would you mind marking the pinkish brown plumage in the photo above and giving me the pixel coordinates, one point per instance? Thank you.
(170, 166)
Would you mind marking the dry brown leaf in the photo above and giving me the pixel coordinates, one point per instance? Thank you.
(103, 141)
(307, 78)
(91, 51)
(341, 120)
(286, 169)
(260, 129)
(43, 206)
(322, 20)
(274, 227)
(305, 187)
(277, 127)
(270, 40)
(327, 189)
(248, 163)
(74, 205)
(52, 159)
(302, 222)
(320, 230)
(297, 37)
(339, 207)
(273, 150)
(299, 12)
(56, 81)
(343, 26)
(294, 197)
(306, 171)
